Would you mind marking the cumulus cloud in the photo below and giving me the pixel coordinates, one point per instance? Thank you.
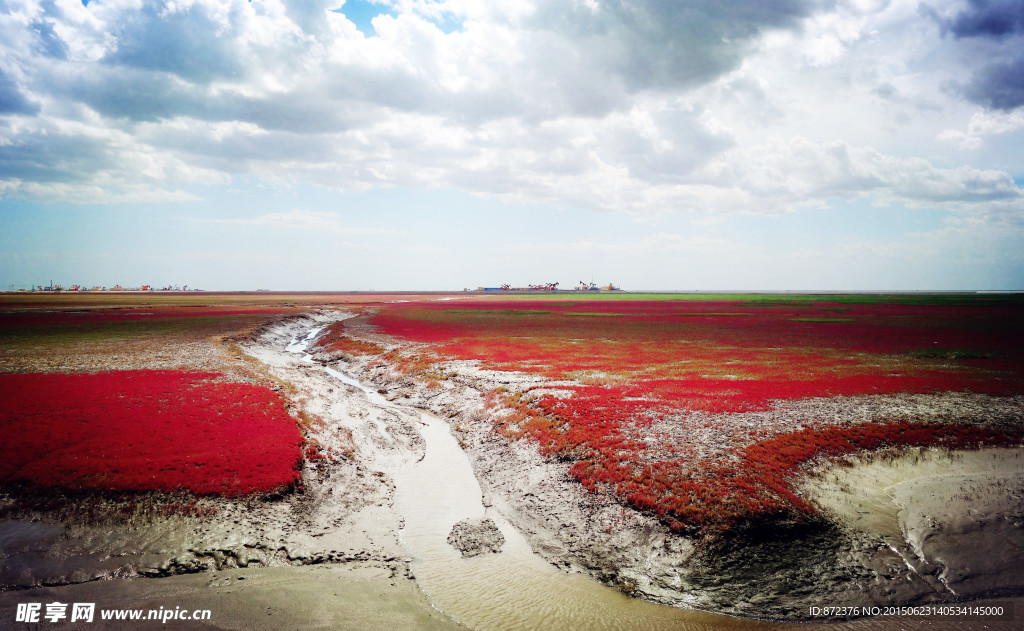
(960, 139)
(12, 100)
(988, 18)
(659, 43)
(999, 86)
(647, 106)
(984, 124)
(999, 25)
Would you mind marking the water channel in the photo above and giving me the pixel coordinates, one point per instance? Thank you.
(516, 588)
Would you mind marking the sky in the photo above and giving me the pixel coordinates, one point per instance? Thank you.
(449, 144)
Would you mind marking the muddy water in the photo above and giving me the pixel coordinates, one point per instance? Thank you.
(517, 589)
(514, 589)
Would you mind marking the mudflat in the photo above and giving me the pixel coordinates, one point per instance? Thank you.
(920, 526)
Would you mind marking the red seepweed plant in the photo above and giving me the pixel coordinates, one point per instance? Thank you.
(146, 430)
(638, 369)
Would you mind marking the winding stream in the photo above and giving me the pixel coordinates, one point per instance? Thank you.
(516, 588)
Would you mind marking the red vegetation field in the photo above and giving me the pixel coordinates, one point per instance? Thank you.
(38, 316)
(145, 431)
(651, 384)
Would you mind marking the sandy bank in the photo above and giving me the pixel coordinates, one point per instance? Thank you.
(335, 597)
(955, 520)
(770, 570)
(334, 556)
(342, 516)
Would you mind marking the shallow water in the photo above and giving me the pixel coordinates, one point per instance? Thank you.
(300, 346)
(516, 588)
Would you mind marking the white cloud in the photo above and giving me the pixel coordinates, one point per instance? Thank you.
(645, 107)
(987, 123)
(800, 171)
(958, 138)
(982, 124)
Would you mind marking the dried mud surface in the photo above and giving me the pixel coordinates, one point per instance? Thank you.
(343, 523)
(341, 518)
(180, 345)
(955, 520)
(767, 570)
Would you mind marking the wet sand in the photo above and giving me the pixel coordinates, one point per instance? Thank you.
(334, 597)
(396, 569)
(955, 519)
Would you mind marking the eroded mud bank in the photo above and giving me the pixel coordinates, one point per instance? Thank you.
(435, 487)
(954, 519)
(327, 556)
(352, 523)
(315, 525)
(767, 570)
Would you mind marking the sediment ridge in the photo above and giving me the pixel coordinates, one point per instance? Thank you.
(882, 536)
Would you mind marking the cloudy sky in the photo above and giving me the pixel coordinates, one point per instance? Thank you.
(422, 144)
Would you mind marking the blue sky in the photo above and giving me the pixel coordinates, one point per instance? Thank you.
(413, 144)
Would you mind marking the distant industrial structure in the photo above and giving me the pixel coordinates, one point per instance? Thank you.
(583, 286)
(61, 288)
